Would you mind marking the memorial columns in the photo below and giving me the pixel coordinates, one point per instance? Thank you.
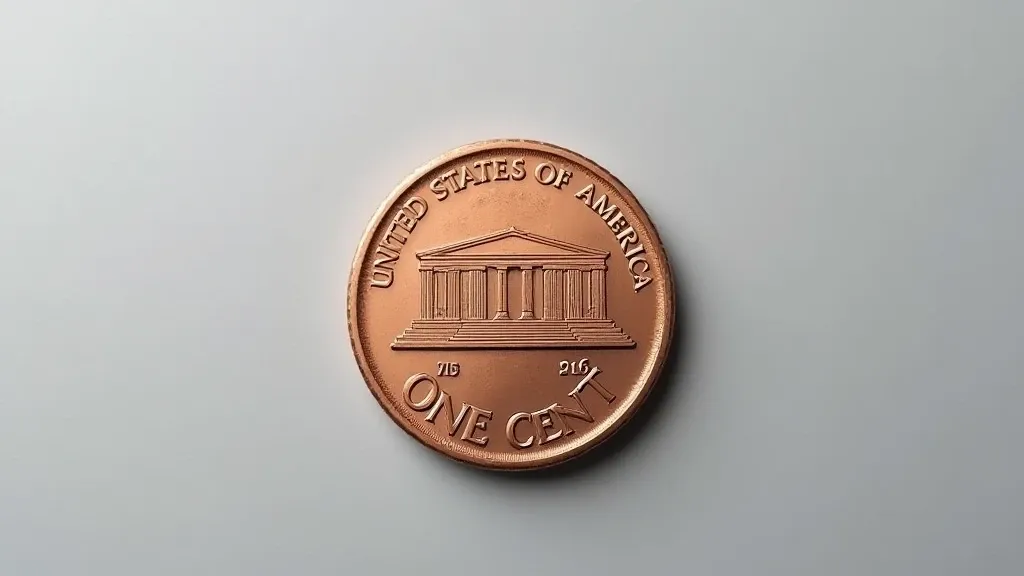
(527, 294)
(573, 294)
(553, 294)
(598, 302)
(569, 292)
(502, 313)
(474, 293)
(427, 294)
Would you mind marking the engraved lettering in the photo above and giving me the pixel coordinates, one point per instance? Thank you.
(562, 178)
(383, 269)
(638, 260)
(545, 426)
(545, 173)
(444, 401)
(427, 400)
(382, 278)
(588, 380)
(437, 400)
(500, 169)
(389, 248)
(550, 176)
(552, 423)
(638, 249)
(465, 176)
(639, 280)
(405, 220)
(477, 421)
(617, 222)
(382, 275)
(393, 239)
(587, 194)
(389, 256)
(438, 188)
(482, 165)
(603, 209)
(510, 430)
(582, 413)
(518, 169)
(414, 203)
(627, 236)
(449, 178)
(395, 247)
(382, 249)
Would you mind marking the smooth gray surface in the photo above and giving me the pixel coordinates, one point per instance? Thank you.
(182, 186)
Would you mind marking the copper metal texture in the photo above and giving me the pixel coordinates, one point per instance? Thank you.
(511, 305)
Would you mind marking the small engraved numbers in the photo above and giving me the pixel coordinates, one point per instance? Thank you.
(574, 368)
(448, 369)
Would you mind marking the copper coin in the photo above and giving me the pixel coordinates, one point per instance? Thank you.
(510, 304)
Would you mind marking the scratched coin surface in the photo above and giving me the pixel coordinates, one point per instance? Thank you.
(511, 305)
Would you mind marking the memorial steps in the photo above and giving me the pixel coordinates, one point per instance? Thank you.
(467, 334)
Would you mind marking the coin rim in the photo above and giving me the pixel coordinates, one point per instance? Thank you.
(609, 430)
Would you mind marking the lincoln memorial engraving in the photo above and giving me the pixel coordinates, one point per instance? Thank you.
(571, 310)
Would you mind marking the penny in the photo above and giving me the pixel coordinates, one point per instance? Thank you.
(510, 304)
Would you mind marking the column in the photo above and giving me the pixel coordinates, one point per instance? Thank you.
(466, 293)
(502, 294)
(426, 294)
(441, 295)
(474, 293)
(573, 294)
(527, 294)
(597, 295)
(553, 294)
(454, 288)
(588, 302)
(480, 293)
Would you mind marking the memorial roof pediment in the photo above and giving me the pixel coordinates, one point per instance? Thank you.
(511, 241)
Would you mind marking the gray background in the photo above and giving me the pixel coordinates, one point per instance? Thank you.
(184, 184)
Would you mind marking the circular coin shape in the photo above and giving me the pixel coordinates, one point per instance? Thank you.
(511, 304)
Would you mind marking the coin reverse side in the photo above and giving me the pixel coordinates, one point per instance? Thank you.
(511, 305)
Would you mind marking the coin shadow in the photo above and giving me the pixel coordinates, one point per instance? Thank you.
(671, 383)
